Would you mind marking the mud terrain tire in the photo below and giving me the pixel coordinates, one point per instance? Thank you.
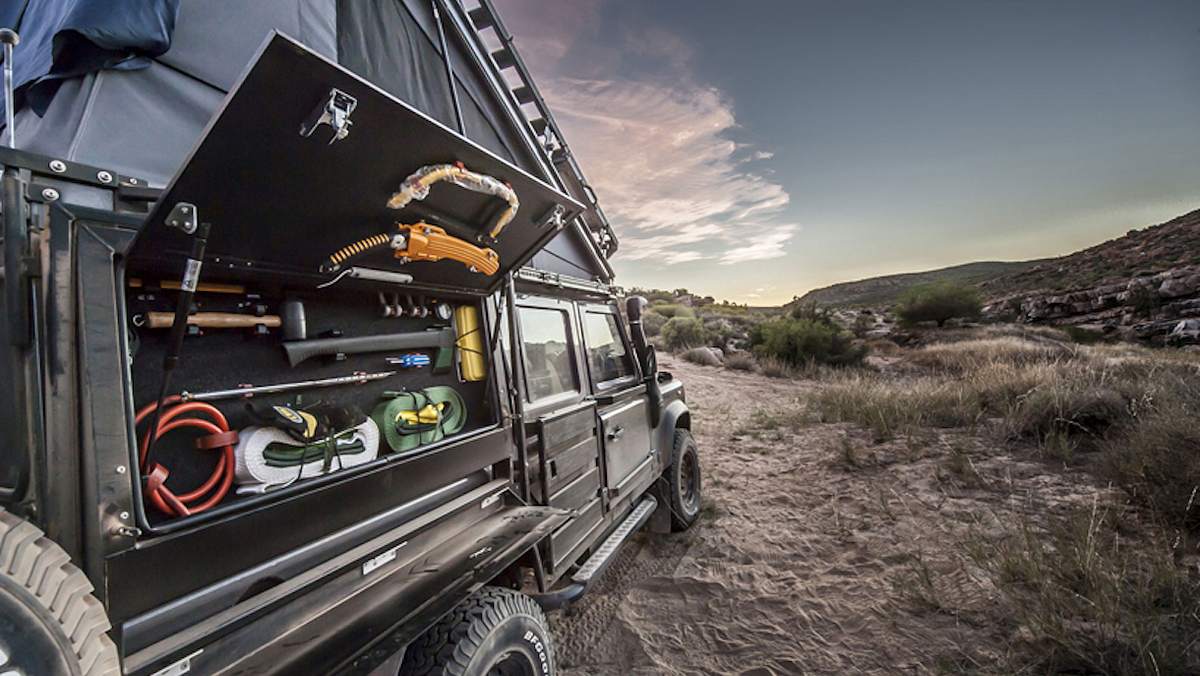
(683, 478)
(49, 621)
(495, 631)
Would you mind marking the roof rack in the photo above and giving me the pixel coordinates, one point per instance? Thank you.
(563, 281)
(529, 102)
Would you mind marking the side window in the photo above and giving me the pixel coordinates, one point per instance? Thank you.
(607, 357)
(549, 368)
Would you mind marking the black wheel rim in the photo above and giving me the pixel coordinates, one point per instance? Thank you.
(514, 663)
(689, 482)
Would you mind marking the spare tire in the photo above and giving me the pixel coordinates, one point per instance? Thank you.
(494, 631)
(49, 621)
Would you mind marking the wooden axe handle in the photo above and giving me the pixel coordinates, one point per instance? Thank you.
(213, 320)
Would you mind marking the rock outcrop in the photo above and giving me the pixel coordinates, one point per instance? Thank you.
(1147, 308)
(1139, 286)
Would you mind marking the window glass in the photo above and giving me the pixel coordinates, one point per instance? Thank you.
(548, 366)
(607, 357)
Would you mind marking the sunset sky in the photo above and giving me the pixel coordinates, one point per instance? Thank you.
(753, 151)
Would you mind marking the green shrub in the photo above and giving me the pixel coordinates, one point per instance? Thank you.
(683, 332)
(720, 331)
(802, 341)
(1083, 336)
(812, 312)
(939, 302)
(1144, 300)
(653, 322)
(669, 310)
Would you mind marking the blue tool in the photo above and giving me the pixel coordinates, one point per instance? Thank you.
(410, 361)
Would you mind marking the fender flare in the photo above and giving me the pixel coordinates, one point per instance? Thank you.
(675, 415)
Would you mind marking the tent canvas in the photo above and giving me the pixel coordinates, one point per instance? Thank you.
(142, 103)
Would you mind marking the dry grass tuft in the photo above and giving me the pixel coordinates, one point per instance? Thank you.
(889, 410)
(741, 361)
(1077, 597)
(702, 356)
(883, 347)
(1158, 460)
(777, 368)
(971, 355)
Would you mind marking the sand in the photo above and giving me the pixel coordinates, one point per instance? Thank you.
(803, 563)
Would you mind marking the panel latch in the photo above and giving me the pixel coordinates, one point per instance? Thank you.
(334, 111)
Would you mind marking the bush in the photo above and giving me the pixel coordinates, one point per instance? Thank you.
(721, 332)
(1144, 300)
(812, 312)
(704, 356)
(740, 361)
(1083, 336)
(653, 322)
(669, 310)
(683, 332)
(802, 341)
(939, 302)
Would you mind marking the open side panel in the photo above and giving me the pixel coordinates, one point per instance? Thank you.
(282, 202)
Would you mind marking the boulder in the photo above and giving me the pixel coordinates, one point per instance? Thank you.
(1179, 287)
(1185, 332)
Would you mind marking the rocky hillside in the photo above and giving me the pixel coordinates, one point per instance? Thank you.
(886, 290)
(1140, 285)
(1138, 253)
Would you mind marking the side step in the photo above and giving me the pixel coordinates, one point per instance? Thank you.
(600, 558)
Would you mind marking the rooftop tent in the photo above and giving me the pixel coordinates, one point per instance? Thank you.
(131, 86)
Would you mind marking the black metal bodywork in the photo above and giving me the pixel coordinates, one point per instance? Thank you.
(336, 573)
(209, 600)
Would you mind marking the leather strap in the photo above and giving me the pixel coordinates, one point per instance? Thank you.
(156, 483)
(218, 440)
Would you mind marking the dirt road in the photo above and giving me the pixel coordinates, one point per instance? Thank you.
(818, 551)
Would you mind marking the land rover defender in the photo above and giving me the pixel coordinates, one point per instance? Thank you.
(313, 358)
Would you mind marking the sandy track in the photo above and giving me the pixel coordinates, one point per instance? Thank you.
(802, 562)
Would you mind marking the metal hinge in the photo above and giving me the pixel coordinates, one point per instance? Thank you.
(334, 111)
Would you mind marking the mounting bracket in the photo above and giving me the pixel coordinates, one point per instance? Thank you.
(334, 111)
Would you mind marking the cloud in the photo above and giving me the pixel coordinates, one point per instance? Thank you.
(655, 143)
(666, 173)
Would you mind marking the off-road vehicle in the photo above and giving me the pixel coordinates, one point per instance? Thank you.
(313, 362)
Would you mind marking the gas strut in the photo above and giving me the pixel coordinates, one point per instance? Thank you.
(184, 217)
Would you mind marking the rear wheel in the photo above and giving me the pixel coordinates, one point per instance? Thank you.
(49, 621)
(495, 632)
(683, 476)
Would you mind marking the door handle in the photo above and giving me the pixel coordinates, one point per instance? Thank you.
(615, 433)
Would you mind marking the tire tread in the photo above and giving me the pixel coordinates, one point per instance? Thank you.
(446, 648)
(44, 570)
(682, 438)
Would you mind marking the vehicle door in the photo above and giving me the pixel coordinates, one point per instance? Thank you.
(561, 418)
(620, 397)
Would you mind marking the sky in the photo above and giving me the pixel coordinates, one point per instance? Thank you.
(755, 150)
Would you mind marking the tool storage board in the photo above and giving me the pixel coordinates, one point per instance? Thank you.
(281, 202)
